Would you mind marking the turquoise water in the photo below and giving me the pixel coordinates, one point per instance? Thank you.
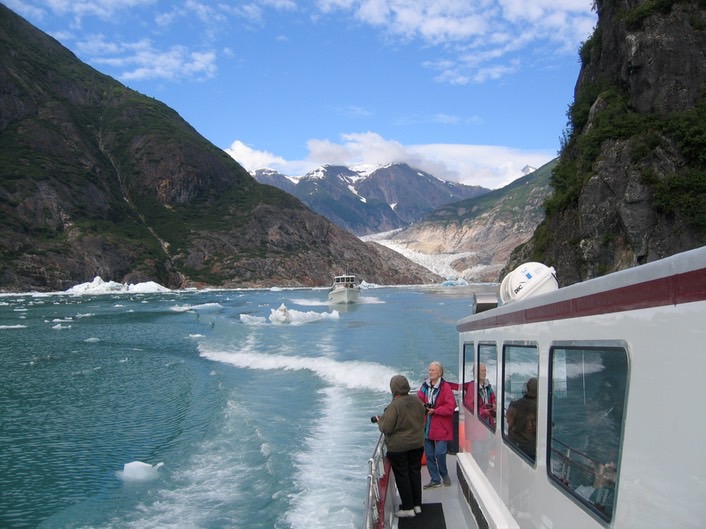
(258, 423)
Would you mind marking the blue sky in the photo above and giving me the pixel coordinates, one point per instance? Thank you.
(469, 90)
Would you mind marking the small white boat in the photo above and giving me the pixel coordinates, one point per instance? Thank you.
(344, 289)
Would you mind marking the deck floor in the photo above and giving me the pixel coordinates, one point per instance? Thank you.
(456, 514)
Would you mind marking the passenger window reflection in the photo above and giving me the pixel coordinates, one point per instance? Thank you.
(522, 420)
(486, 381)
(588, 397)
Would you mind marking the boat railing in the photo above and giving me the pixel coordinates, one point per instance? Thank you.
(378, 488)
(592, 480)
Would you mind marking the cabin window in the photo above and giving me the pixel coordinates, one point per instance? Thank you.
(587, 399)
(468, 377)
(487, 381)
(521, 369)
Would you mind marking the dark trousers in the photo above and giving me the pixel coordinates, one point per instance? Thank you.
(407, 467)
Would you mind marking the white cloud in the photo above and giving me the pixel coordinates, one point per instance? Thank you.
(490, 166)
(140, 60)
(103, 9)
(251, 159)
(25, 9)
(480, 40)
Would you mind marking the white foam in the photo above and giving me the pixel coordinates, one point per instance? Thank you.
(247, 319)
(59, 327)
(368, 375)
(13, 326)
(306, 302)
(370, 300)
(218, 474)
(92, 340)
(203, 307)
(324, 496)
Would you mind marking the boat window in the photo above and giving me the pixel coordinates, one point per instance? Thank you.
(487, 377)
(587, 399)
(520, 384)
(468, 377)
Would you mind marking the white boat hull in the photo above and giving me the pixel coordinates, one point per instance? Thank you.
(344, 295)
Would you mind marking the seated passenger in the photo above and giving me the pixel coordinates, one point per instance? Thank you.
(522, 420)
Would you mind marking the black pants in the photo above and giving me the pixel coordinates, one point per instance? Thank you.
(407, 467)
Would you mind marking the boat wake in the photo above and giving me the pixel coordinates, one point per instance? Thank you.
(368, 375)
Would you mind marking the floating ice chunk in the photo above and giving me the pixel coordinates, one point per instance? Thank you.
(297, 317)
(280, 315)
(139, 471)
(98, 286)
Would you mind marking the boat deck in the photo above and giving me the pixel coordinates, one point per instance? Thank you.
(456, 512)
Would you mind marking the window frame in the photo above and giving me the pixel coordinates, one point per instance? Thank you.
(614, 347)
(468, 346)
(494, 384)
(505, 404)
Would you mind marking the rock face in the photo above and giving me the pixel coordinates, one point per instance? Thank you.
(98, 180)
(630, 186)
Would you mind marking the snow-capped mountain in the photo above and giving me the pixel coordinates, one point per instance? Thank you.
(367, 200)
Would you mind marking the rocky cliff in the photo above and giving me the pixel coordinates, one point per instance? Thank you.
(630, 185)
(96, 179)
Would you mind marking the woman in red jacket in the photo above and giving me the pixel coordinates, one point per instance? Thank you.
(439, 399)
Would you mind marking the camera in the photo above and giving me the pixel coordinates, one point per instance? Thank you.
(374, 419)
(428, 405)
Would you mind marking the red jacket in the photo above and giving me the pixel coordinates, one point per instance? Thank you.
(440, 424)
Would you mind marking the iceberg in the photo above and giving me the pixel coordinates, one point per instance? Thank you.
(98, 286)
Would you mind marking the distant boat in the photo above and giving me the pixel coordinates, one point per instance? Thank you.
(344, 290)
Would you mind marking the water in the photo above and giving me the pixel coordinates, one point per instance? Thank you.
(259, 423)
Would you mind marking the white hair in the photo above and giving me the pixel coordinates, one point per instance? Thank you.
(439, 365)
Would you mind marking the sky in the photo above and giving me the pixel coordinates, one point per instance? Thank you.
(468, 90)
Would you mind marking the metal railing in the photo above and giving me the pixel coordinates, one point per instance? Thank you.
(582, 474)
(380, 487)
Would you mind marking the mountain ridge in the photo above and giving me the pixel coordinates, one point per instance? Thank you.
(99, 180)
(373, 200)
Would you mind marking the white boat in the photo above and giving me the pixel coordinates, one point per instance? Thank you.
(616, 433)
(344, 289)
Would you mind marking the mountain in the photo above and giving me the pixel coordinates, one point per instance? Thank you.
(630, 183)
(364, 201)
(478, 235)
(99, 180)
(273, 178)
